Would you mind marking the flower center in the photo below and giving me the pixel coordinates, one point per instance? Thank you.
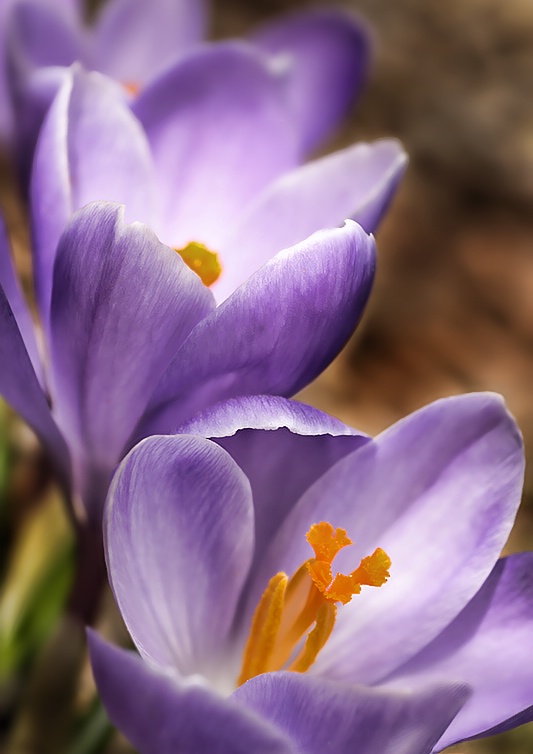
(202, 261)
(132, 88)
(304, 604)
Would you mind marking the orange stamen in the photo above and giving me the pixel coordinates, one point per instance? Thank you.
(201, 260)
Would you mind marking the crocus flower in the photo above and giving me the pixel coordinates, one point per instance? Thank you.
(324, 54)
(210, 157)
(202, 536)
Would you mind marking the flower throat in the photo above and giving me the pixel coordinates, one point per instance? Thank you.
(289, 607)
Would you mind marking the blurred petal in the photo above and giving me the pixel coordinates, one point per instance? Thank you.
(19, 307)
(122, 304)
(319, 715)
(219, 133)
(356, 183)
(90, 148)
(277, 332)
(438, 492)
(487, 646)
(125, 50)
(282, 446)
(162, 714)
(327, 54)
(179, 541)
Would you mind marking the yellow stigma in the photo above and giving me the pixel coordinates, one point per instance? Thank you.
(304, 603)
(202, 261)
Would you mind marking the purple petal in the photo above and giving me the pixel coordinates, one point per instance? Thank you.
(90, 148)
(282, 446)
(276, 332)
(179, 541)
(357, 182)
(21, 389)
(219, 134)
(438, 492)
(122, 304)
(487, 646)
(327, 53)
(17, 302)
(135, 40)
(320, 715)
(161, 714)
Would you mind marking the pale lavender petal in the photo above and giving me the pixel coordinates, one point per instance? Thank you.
(122, 304)
(327, 54)
(17, 302)
(219, 133)
(438, 492)
(91, 148)
(135, 40)
(163, 714)
(356, 183)
(320, 715)
(179, 540)
(276, 333)
(487, 646)
(21, 389)
(282, 446)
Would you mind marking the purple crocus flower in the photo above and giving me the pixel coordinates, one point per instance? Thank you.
(324, 54)
(201, 535)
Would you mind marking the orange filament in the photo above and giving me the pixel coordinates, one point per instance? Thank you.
(202, 261)
(304, 603)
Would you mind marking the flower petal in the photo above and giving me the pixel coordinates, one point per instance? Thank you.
(487, 646)
(122, 304)
(282, 446)
(320, 715)
(90, 148)
(19, 307)
(438, 492)
(162, 714)
(135, 40)
(276, 332)
(219, 132)
(327, 54)
(357, 182)
(179, 540)
(21, 389)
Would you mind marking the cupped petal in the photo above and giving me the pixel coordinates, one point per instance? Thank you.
(163, 714)
(219, 133)
(122, 304)
(13, 293)
(319, 715)
(20, 387)
(276, 333)
(487, 646)
(327, 54)
(356, 183)
(179, 540)
(282, 446)
(438, 492)
(135, 40)
(90, 148)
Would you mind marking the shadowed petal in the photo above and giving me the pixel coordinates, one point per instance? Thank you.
(438, 492)
(122, 304)
(219, 133)
(327, 55)
(320, 715)
(282, 446)
(179, 540)
(356, 183)
(91, 148)
(276, 332)
(487, 646)
(135, 40)
(163, 714)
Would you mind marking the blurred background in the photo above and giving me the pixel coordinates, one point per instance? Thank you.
(452, 308)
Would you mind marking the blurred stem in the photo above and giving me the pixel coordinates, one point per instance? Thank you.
(94, 732)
